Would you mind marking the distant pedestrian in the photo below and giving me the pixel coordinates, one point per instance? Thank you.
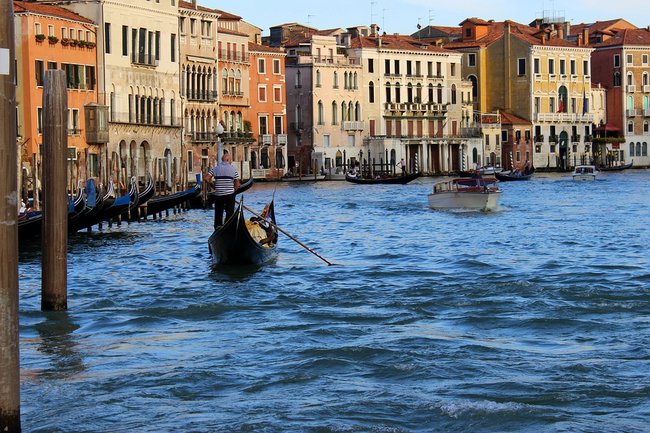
(402, 164)
(226, 182)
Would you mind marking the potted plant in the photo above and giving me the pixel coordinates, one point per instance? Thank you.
(65, 42)
(81, 43)
(553, 138)
(90, 44)
(52, 39)
(40, 37)
(73, 42)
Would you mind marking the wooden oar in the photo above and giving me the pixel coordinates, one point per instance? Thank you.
(288, 235)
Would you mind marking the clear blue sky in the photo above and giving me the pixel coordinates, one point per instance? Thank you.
(402, 16)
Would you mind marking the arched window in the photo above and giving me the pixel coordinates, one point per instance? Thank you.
(335, 113)
(630, 79)
(474, 81)
(398, 96)
(265, 157)
(357, 112)
(355, 83)
(336, 80)
(644, 149)
(638, 149)
(645, 102)
(630, 102)
(562, 99)
(644, 79)
(632, 149)
(345, 80)
(320, 113)
(439, 91)
(318, 83)
(453, 93)
(344, 111)
(475, 155)
(298, 79)
(388, 93)
(409, 93)
(430, 95)
(418, 93)
(617, 79)
(371, 92)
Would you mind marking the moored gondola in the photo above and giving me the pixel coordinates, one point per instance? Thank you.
(615, 167)
(388, 180)
(164, 202)
(30, 223)
(242, 241)
(120, 205)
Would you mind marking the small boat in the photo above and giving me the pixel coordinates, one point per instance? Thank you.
(30, 223)
(506, 176)
(164, 202)
(388, 180)
(615, 167)
(242, 241)
(466, 193)
(584, 172)
(120, 205)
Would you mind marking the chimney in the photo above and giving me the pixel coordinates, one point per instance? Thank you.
(374, 29)
(193, 4)
(560, 31)
(585, 35)
(579, 42)
(567, 29)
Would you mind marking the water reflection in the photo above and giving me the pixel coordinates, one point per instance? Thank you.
(60, 345)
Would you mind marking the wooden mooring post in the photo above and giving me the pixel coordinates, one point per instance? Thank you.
(9, 336)
(54, 283)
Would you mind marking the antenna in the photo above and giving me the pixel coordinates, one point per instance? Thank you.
(383, 18)
(372, 14)
(309, 17)
(431, 15)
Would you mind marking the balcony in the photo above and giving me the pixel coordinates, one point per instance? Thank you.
(646, 112)
(538, 77)
(575, 138)
(353, 126)
(539, 139)
(208, 96)
(563, 117)
(281, 139)
(646, 88)
(74, 131)
(130, 118)
(631, 88)
(143, 59)
(266, 139)
(630, 112)
(202, 137)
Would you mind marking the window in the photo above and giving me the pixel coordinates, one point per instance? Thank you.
(629, 59)
(468, 32)
(536, 66)
(276, 67)
(261, 93)
(453, 69)
(64, 32)
(644, 59)
(562, 67)
(50, 30)
(37, 28)
(471, 59)
(107, 38)
(39, 72)
(318, 83)
(277, 93)
(261, 66)
(173, 47)
(51, 65)
(157, 46)
(371, 65)
(39, 119)
(630, 126)
(321, 115)
(182, 26)
(585, 67)
(371, 92)
(335, 113)
(617, 61)
(125, 40)
(573, 67)
(551, 66)
(521, 67)
(190, 161)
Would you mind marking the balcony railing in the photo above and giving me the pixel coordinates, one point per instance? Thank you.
(281, 139)
(564, 117)
(353, 126)
(631, 88)
(210, 96)
(266, 139)
(130, 118)
(202, 137)
(630, 112)
(144, 59)
(74, 131)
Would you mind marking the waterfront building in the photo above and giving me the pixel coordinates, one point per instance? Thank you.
(199, 85)
(139, 57)
(268, 154)
(51, 37)
(235, 96)
(324, 100)
(534, 73)
(415, 103)
(621, 63)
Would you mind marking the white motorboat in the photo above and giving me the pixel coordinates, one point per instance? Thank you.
(481, 193)
(585, 172)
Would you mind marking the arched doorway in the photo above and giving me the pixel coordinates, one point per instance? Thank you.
(253, 159)
(338, 159)
(564, 150)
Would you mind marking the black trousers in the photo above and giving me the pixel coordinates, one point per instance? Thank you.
(221, 203)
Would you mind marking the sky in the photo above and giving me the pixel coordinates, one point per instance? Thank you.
(403, 16)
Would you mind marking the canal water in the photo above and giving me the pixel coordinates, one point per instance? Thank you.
(532, 318)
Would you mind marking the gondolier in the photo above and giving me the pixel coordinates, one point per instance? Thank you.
(226, 181)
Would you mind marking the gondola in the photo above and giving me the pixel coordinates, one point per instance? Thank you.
(245, 242)
(391, 180)
(143, 197)
(121, 204)
(164, 202)
(102, 203)
(507, 176)
(30, 223)
(615, 167)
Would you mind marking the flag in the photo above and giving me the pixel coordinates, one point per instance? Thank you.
(561, 108)
(585, 103)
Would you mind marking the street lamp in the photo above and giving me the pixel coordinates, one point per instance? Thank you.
(219, 130)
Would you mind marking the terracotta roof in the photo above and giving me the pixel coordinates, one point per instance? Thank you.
(448, 30)
(474, 20)
(227, 15)
(252, 46)
(601, 26)
(188, 5)
(230, 32)
(512, 119)
(48, 10)
(395, 42)
(640, 37)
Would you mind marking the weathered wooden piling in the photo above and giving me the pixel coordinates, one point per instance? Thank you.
(9, 337)
(54, 284)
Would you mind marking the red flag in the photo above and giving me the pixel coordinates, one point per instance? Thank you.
(561, 109)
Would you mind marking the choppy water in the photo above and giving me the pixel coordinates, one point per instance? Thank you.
(534, 318)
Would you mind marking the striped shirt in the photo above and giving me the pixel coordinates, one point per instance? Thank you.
(224, 176)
